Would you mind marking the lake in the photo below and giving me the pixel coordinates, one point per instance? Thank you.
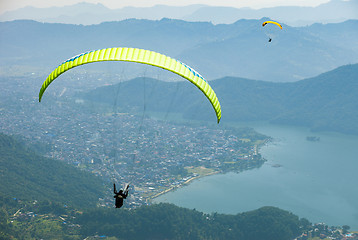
(316, 180)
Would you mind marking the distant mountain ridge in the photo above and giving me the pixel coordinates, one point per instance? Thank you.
(328, 102)
(331, 12)
(239, 49)
(86, 13)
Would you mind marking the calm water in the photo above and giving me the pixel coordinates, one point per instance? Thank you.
(317, 180)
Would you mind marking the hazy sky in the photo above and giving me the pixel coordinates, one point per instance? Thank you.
(7, 5)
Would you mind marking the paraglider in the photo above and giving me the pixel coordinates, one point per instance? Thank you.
(138, 56)
(271, 22)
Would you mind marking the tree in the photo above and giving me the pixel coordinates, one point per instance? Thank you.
(345, 229)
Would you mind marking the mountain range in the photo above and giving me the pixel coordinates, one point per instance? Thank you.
(327, 102)
(240, 49)
(86, 13)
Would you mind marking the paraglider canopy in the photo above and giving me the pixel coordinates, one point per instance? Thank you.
(273, 22)
(139, 56)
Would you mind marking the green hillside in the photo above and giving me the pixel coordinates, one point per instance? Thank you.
(166, 221)
(27, 176)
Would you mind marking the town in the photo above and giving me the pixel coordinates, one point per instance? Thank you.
(323, 231)
(153, 156)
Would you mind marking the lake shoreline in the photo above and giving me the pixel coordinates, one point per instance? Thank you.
(257, 148)
(172, 188)
(304, 178)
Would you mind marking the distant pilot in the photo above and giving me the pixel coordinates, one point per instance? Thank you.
(120, 195)
(270, 40)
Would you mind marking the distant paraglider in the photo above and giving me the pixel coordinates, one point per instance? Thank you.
(139, 56)
(271, 22)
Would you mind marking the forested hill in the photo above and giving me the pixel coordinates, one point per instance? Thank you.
(166, 221)
(158, 221)
(326, 102)
(27, 176)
